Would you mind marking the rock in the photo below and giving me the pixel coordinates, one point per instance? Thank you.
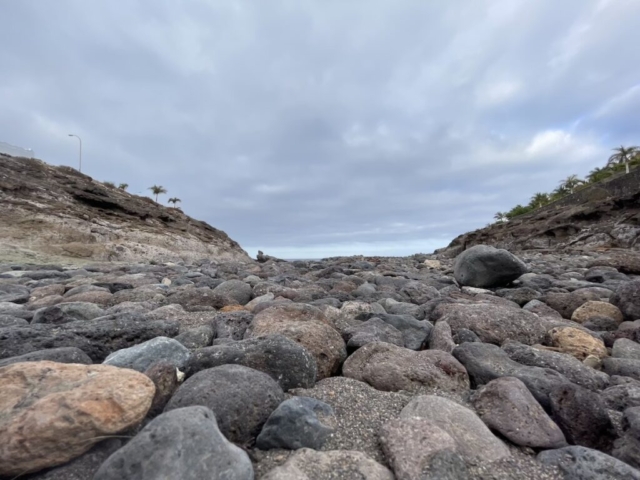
(464, 335)
(237, 290)
(582, 416)
(15, 310)
(542, 310)
(142, 356)
(603, 274)
(485, 362)
(576, 343)
(414, 332)
(441, 337)
(596, 309)
(51, 412)
(300, 422)
(9, 321)
(164, 377)
(197, 299)
(373, 330)
(627, 447)
(241, 398)
(625, 348)
(97, 297)
(627, 298)
(620, 397)
(97, 338)
(307, 326)
(505, 405)
(601, 324)
(521, 296)
(183, 444)
(567, 303)
(267, 297)
(418, 292)
(569, 366)
(445, 465)
(494, 323)
(59, 355)
(288, 363)
(197, 337)
(391, 368)
(409, 444)
(582, 463)
(474, 441)
(14, 293)
(307, 464)
(484, 266)
(625, 367)
(232, 325)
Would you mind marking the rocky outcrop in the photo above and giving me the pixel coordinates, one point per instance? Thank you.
(53, 214)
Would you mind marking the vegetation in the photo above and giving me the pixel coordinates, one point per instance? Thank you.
(174, 200)
(157, 190)
(123, 186)
(623, 159)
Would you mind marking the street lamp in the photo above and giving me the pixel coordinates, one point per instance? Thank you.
(72, 135)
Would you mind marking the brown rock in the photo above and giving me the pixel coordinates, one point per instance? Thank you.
(232, 308)
(94, 296)
(577, 343)
(391, 368)
(165, 378)
(595, 308)
(45, 302)
(51, 413)
(307, 326)
(41, 292)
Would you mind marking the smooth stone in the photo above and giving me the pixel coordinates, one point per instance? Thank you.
(484, 266)
(142, 356)
(625, 348)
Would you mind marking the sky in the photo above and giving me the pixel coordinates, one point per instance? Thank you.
(309, 129)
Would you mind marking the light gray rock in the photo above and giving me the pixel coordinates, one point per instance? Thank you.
(625, 348)
(142, 356)
(237, 290)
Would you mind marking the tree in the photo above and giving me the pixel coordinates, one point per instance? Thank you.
(500, 217)
(598, 174)
(123, 186)
(623, 155)
(571, 182)
(539, 199)
(174, 200)
(559, 192)
(157, 190)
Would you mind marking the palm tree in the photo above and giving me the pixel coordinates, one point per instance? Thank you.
(157, 190)
(123, 186)
(539, 199)
(174, 200)
(559, 192)
(622, 155)
(500, 217)
(598, 174)
(571, 182)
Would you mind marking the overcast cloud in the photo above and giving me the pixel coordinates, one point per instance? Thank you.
(319, 128)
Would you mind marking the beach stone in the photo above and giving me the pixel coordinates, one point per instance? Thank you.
(142, 356)
(237, 290)
(231, 325)
(59, 355)
(52, 412)
(414, 332)
(567, 303)
(577, 343)
(391, 368)
(184, 444)
(484, 266)
(474, 441)
(373, 330)
(622, 396)
(596, 309)
(197, 337)
(441, 337)
(627, 298)
(14, 293)
(505, 405)
(300, 422)
(542, 310)
(307, 326)
(164, 376)
(308, 464)
(625, 367)
(241, 398)
(287, 362)
(581, 463)
(10, 321)
(627, 447)
(625, 348)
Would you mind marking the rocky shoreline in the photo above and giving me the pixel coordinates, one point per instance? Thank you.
(484, 366)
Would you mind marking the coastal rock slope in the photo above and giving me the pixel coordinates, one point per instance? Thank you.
(57, 214)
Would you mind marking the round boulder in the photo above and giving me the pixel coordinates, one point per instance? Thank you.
(484, 267)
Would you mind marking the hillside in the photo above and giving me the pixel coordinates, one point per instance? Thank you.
(58, 214)
(600, 217)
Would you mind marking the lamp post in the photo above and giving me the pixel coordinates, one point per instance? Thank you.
(80, 165)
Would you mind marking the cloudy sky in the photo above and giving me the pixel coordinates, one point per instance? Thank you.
(310, 128)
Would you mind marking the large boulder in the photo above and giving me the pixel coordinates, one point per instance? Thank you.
(307, 326)
(237, 290)
(241, 398)
(142, 356)
(390, 368)
(183, 444)
(287, 362)
(484, 266)
(52, 412)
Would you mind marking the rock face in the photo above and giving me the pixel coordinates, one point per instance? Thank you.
(184, 443)
(51, 412)
(485, 266)
(99, 222)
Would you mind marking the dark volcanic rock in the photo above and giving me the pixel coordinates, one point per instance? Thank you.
(484, 266)
(627, 298)
(60, 355)
(580, 463)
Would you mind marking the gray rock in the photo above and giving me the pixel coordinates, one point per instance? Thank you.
(473, 440)
(83, 289)
(414, 332)
(446, 465)
(308, 464)
(506, 406)
(181, 444)
(241, 398)
(237, 290)
(232, 325)
(60, 355)
(569, 366)
(601, 324)
(464, 335)
(541, 309)
(300, 422)
(67, 312)
(521, 296)
(484, 266)
(373, 330)
(14, 293)
(625, 348)
(580, 463)
(627, 298)
(197, 337)
(582, 416)
(625, 367)
(441, 337)
(287, 362)
(567, 303)
(391, 368)
(620, 397)
(165, 377)
(627, 447)
(15, 310)
(10, 321)
(485, 362)
(418, 292)
(142, 356)
(494, 323)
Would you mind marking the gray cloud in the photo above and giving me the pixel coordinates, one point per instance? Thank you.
(309, 128)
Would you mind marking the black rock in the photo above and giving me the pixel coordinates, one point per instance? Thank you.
(580, 463)
(60, 355)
